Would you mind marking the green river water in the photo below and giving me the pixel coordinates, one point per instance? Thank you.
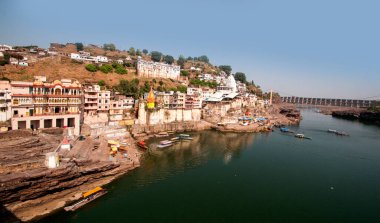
(265, 177)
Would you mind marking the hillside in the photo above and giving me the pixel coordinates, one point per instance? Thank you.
(61, 67)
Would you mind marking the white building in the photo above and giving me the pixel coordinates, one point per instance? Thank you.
(102, 59)
(5, 101)
(157, 70)
(5, 48)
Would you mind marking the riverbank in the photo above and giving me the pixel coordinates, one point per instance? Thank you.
(360, 114)
(29, 190)
(277, 115)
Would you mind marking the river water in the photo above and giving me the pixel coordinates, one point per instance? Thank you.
(267, 177)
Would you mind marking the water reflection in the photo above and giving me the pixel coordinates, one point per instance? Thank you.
(205, 146)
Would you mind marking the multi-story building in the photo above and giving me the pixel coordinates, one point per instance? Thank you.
(104, 101)
(163, 99)
(40, 104)
(5, 101)
(157, 70)
(193, 101)
(178, 100)
(91, 99)
(120, 107)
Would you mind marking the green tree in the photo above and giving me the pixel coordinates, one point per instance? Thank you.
(181, 60)
(168, 59)
(156, 56)
(203, 58)
(106, 68)
(161, 83)
(226, 68)
(240, 76)
(182, 89)
(145, 51)
(132, 51)
(91, 67)
(146, 87)
(109, 46)
(184, 73)
(121, 70)
(79, 46)
(101, 83)
(138, 52)
(189, 58)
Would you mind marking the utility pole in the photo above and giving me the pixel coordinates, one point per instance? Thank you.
(271, 97)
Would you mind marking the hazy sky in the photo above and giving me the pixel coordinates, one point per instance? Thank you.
(321, 48)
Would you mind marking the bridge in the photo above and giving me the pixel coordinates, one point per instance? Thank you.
(357, 103)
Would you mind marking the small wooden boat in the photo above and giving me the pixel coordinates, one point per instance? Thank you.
(284, 129)
(175, 139)
(165, 143)
(162, 134)
(142, 144)
(341, 133)
(301, 136)
(87, 198)
(184, 137)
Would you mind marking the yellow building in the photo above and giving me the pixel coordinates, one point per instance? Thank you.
(150, 100)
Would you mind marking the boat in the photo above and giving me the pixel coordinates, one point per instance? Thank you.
(341, 133)
(142, 144)
(244, 123)
(331, 130)
(162, 134)
(184, 137)
(175, 139)
(301, 136)
(284, 129)
(87, 198)
(165, 143)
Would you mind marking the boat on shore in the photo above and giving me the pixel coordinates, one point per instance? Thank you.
(142, 144)
(87, 198)
(165, 143)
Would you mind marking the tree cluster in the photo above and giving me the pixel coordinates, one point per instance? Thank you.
(197, 82)
(107, 68)
(109, 46)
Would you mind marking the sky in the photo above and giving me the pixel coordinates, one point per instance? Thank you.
(324, 48)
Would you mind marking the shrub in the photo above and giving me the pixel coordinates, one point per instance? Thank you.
(101, 83)
(106, 68)
(121, 70)
(91, 67)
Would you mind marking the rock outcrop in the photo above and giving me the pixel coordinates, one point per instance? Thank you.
(364, 116)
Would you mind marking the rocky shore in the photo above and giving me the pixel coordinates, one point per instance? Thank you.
(29, 190)
(278, 115)
(364, 116)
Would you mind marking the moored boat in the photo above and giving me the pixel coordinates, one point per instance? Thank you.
(142, 144)
(165, 143)
(162, 134)
(87, 197)
(301, 136)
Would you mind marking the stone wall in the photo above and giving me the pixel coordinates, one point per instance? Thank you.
(163, 116)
